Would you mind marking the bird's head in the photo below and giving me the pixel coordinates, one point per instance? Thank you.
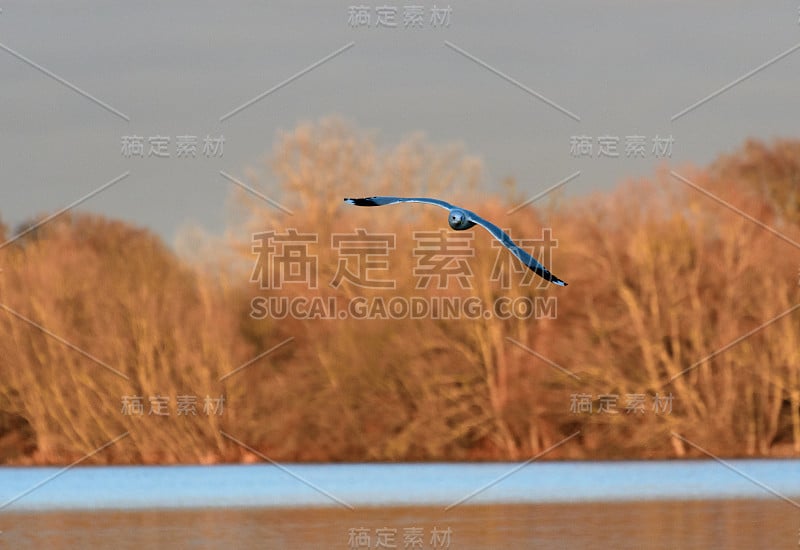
(458, 219)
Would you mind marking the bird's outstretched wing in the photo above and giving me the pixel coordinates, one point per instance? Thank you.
(382, 201)
(526, 258)
(496, 232)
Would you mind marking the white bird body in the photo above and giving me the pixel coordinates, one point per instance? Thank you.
(461, 219)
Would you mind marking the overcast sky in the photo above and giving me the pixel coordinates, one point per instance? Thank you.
(175, 68)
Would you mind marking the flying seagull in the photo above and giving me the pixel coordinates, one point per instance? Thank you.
(461, 219)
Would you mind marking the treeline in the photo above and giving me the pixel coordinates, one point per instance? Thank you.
(677, 319)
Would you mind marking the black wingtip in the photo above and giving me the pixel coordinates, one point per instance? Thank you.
(550, 278)
(366, 201)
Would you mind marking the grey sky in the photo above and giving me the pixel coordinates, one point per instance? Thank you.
(175, 68)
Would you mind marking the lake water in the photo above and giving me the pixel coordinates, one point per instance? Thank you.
(679, 504)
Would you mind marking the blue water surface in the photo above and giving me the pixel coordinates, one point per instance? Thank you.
(302, 485)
